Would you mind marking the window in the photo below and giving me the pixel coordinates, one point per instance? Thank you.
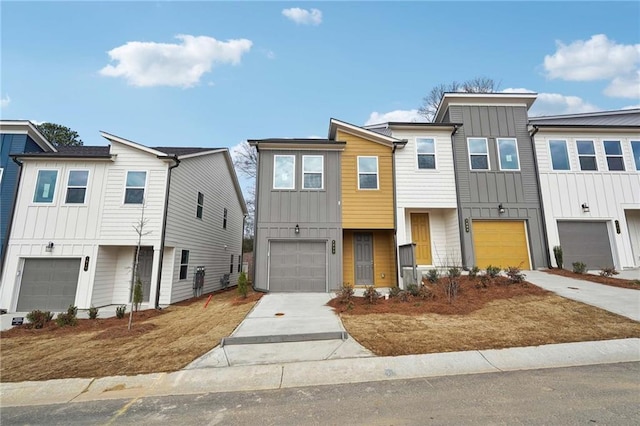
(1, 173)
(284, 168)
(426, 148)
(312, 171)
(77, 186)
(508, 154)
(635, 148)
(231, 267)
(239, 263)
(224, 219)
(45, 186)
(613, 151)
(587, 155)
(367, 172)
(478, 153)
(134, 189)
(559, 155)
(184, 264)
(200, 206)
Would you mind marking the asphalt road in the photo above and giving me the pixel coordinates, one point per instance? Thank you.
(593, 395)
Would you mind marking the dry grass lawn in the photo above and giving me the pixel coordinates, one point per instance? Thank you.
(159, 341)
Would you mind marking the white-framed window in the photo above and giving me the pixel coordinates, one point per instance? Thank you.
(284, 171)
(45, 186)
(231, 265)
(200, 205)
(368, 173)
(224, 218)
(426, 153)
(77, 187)
(559, 154)
(613, 152)
(184, 264)
(508, 153)
(239, 263)
(134, 187)
(586, 155)
(635, 149)
(478, 153)
(312, 172)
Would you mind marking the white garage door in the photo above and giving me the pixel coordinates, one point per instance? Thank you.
(48, 284)
(298, 266)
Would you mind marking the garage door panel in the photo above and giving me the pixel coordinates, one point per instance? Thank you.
(297, 266)
(586, 242)
(48, 284)
(500, 243)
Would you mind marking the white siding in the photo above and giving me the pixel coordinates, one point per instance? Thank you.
(105, 276)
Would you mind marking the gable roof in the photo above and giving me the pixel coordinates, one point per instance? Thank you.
(617, 118)
(386, 128)
(26, 127)
(460, 98)
(362, 132)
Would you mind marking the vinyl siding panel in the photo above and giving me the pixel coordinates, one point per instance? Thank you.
(105, 276)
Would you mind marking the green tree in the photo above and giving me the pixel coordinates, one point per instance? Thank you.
(59, 135)
(431, 102)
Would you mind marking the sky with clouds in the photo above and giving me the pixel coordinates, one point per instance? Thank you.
(218, 73)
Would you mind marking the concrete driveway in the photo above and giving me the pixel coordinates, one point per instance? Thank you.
(285, 327)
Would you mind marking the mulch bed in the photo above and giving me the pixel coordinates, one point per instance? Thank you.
(615, 282)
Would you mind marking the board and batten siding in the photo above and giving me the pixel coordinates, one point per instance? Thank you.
(480, 192)
(209, 243)
(608, 193)
(316, 212)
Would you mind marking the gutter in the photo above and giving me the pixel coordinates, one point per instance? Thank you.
(164, 227)
(461, 228)
(13, 211)
(545, 237)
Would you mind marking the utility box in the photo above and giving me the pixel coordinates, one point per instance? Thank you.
(198, 281)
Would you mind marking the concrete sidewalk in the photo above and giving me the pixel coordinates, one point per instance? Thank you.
(621, 301)
(316, 373)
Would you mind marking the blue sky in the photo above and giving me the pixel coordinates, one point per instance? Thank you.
(218, 73)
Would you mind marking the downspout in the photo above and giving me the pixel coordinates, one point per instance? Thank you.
(164, 229)
(255, 224)
(545, 237)
(461, 228)
(9, 225)
(395, 214)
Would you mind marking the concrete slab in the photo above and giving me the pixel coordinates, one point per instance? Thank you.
(119, 387)
(215, 358)
(351, 349)
(41, 393)
(627, 274)
(622, 301)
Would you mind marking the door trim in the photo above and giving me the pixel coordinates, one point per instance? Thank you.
(290, 240)
(355, 268)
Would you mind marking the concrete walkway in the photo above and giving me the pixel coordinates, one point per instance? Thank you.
(622, 301)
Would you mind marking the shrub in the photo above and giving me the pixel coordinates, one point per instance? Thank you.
(493, 271)
(484, 282)
(38, 319)
(371, 295)
(413, 289)
(243, 285)
(514, 273)
(454, 272)
(404, 296)
(345, 294)
(433, 275)
(425, 292)
(608, 272)
(137, 294)
(67, 318)
(473, 272)
(557, 253)
(120, 311)
(93, 312)
(452, 286)
(394, 292)
(579, 267)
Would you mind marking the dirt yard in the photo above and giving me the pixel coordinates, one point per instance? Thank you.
(499, 316)
(159, 341)
(612, 281)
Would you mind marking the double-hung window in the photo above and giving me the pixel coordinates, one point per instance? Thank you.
(284, 169)
(559, 155)
(426, 148)
(587, 155)
(77, 186)
(367, 172)
(635, 148)
(200, 205)
(231, 265)
(45, 186)
(312, 171)
(478, 153)
(135, 186)
(613, 152)
(184, 264)
(508, 153)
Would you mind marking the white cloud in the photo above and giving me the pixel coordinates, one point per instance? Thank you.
(36, 122)
(625, 86)
(303, 16)
(411, 115)
(555, 103)
(146, 64)
(5, 101)
(631, 107)
(517, 90)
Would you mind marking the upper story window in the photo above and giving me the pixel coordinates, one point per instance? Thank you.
(478, 153)
(587, 155)
(77, 186)
(367, 172)
(1, 173)
(508, 153)
(239, 263)
(135, 186)
(426, 148)
(613, 151)
(312, 171)
(45, 186)
(224, 219)
(184, 264)
(635, 148)
(200, 206)
(559, 155)
(284, 168)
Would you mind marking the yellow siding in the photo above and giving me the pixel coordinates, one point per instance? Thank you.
(348, 276)
(383, 258)
(500, 243)
(366, 209)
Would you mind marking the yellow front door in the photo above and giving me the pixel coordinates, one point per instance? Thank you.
(500, 243)
(421, 237)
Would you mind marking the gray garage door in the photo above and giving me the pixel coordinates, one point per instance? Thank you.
(298, 266)
(586, 242)
(48, 284)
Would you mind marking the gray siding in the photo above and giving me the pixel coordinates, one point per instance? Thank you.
(480, 192)
(316, 212)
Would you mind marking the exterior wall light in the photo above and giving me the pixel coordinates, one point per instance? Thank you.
(297, 230)
(585, 207)
(49, 246)
(500, 208)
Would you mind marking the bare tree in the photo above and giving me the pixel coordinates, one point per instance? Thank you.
(135, 276)
(431, 102)
(245, 159)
